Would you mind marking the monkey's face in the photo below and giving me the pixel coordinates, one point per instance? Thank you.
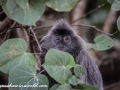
(62, 37)
(61, 42)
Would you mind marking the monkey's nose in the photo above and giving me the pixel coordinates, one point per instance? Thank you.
(61, 48)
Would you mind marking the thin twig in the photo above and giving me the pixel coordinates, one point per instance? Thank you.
(42, 71)
(83, 25)
(115, 32)
(94, 27)
(12, 28)
(35, 37)
(8, 30)
(42, 27)
(98, 7)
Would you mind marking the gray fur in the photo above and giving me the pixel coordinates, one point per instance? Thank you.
(81, 56)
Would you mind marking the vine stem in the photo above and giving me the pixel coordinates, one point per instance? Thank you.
(34, 35)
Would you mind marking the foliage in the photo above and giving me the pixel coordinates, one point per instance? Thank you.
(116, 7)
(101, 43)
(19, 64)
(28, 12)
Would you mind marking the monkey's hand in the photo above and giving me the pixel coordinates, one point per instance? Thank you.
(42, 55)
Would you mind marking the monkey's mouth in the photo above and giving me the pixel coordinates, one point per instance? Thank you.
(62, 48)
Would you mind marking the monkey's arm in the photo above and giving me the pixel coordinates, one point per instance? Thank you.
(93, 75)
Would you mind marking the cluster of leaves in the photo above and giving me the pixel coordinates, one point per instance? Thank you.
(27, 12)
(19, 64)
(116, 7)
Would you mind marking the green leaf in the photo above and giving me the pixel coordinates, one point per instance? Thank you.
(55, 65)
(85, 87)
(4, 7)
(12, 53)
(72, 62)
(73, 80)
(62, 5)
(110, 1)
(26, 16)
(26, 58)
(22, 3)
(64, 87)
(79, 70)
(26, 75)
(116, 5)
(54, 87)
(118, 22)
(103, 43)
(88, 46)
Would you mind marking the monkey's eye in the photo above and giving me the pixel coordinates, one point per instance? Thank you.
(57, 38)
(66, 38)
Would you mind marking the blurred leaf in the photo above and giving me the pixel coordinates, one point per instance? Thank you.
(62, 5)
(26, 16)
(22, 3)
(79, 70)
(4, 7)
(73, 80)
(116, 5)
(88, 46)
(85, 87)
(12, 53)
(103, 43)
(55, 65)
(26, 75)
(118, 22)
(54, 87)
(64, 87)
(110, 1)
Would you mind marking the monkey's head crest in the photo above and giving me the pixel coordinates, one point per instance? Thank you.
(61, 27)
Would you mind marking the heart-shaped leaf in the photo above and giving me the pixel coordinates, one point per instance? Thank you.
(25, 75)
(26, 16)
(79, 70)
(4, 7)
(22, 3)
(103, 43)
(116, 5)
(72, 62)
(12, 53)
(73, 80)
(55, 65)
(62, 5)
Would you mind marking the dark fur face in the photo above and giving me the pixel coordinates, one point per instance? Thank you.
(62, 37)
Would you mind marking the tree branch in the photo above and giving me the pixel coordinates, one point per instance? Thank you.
(98, 7)
(35, 38)
(83, 25)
